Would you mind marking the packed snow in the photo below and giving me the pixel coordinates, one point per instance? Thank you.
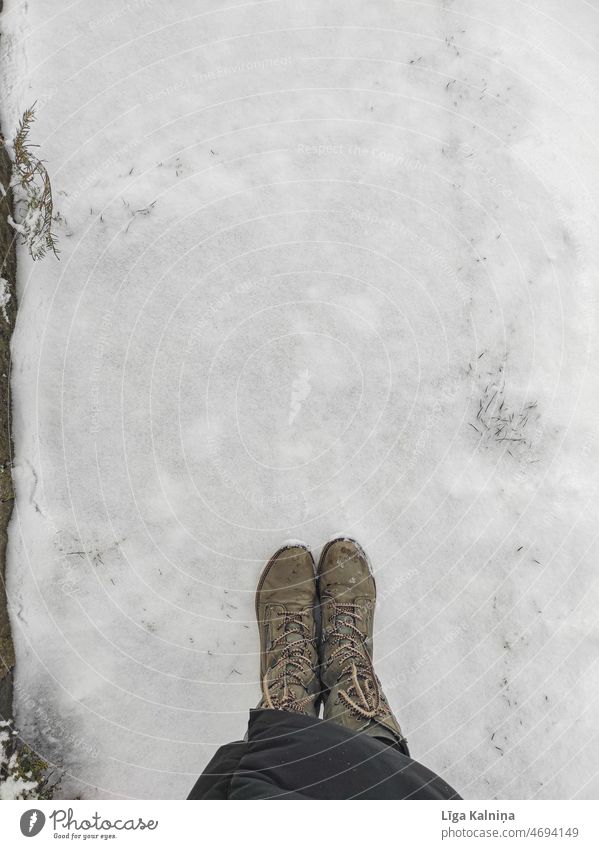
(4, 297)
(14, 785)
(323, 265)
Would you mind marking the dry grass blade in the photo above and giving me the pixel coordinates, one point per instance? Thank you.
(33, 192)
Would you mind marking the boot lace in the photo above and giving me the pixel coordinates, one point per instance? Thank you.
(362, 693)
(290, 669)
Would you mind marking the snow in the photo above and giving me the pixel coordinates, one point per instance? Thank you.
(18, 228)
(313, 257)
(4, 297)
(16, 788)
(13, 786)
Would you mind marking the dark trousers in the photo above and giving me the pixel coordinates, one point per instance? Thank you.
(294, 756)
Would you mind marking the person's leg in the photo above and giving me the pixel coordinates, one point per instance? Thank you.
(352, 692)
(285, 601)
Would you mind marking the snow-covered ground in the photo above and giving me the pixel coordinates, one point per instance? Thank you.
(325, 267)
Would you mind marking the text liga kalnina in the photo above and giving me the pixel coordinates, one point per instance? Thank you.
(457, 816)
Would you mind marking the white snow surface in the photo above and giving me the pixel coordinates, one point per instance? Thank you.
(4, 297)
(323, 265)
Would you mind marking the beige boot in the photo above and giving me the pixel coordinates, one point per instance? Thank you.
(285, 602)
(353, 694)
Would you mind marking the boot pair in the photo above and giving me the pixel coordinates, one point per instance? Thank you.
(304, 663)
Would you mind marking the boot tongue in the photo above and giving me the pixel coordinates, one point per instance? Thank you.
(290, 628)
(293, 634)
(348, 638)
(340, 624)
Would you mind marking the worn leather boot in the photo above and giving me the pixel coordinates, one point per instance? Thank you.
(352, 692)
(285, 602)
